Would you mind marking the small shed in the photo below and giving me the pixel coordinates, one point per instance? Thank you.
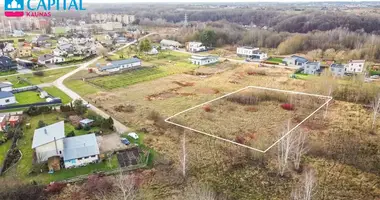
(86, 122)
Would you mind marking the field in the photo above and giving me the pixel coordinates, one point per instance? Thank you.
(276, 60)
(23, 168)
(48, 77)
(256, 117)
(55, 92)
(28, 97)
(233, 171)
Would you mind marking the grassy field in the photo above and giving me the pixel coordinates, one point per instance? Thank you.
(28, 97)
(48, 77)
(79, 86)
(55, 92)
(273, 59)
(24, 166)
(4, 149)
(140, 75)
(8, 73)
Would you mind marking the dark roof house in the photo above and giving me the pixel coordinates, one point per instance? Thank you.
(7, 63)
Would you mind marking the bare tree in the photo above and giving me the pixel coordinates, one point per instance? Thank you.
(127, 185)
(306, 187)
(375, 106)
(299, 148)
(199, 191)
(284, 147)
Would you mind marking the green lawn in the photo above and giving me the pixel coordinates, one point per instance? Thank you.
(4, 149)
(80, 87)
(140, 75)
(8, 73)
(28, 97)
(16, 82)
(277, 60)
(55, 92)
(25, 165)
(69, 128)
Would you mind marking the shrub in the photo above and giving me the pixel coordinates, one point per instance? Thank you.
(96, 184)
(240, 139)
(71, 134)
(287, 106)
(86, 128)
(54, 188)
(41, 124)
(38, 73)
(254, 71)
(154, 115)
(207, 108)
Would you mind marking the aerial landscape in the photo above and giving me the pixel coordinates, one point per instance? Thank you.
(190, 100)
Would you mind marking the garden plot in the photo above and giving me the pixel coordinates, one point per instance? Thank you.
(253, 117)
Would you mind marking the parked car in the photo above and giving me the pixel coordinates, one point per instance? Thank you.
(133, 135)
(125, 141)
(375, 76)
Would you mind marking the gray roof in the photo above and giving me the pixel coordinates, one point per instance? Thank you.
(117, 63)
(335, 65)
(3, 85)
(170, 42)
(47, 134)
(80, 146)
(203, 57)
(5, 94)
(45, 57)
(86, 121)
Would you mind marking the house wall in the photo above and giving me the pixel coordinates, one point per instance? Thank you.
(6, 89)
(126, 66)
(337, 71)
(48, 150)
(204, 62)
(354, 67)
(7, 101)
(81, 161)
(310, 69)
(241, 51)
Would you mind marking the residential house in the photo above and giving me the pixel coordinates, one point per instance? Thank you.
(6, 86)
(312, 68)
(49, 59)
(80, 150)
(153, 51)
(121, 40)
(118, 65)
(7, 98)
(6, 64)
(195, 47)
(252, 53)
(7, 48)
(63, 40)
(24, 50)
(59, 52)
(14, 120)
(41, 40)
(80, 39)
(337, 70)
(170, 44)
(18, 33)
(60, 30)
(110, 26)
(48, 141)
(81, 50)
(203, 59)
(355, 66)
(295, 60)
(66, 47)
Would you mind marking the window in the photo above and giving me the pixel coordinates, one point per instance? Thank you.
(86, 157)
(79, 158)
(93, 156)
(6, 100)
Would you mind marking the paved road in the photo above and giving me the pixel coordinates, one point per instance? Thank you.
(121, 128)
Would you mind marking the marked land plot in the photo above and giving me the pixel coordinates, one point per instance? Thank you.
(252, 117)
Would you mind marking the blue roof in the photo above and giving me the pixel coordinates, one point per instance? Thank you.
(80, 146)
(117, 63)
(5, 94)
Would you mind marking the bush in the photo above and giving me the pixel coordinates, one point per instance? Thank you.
(71, 134)
(34, 111)
(97, 185)
(22, 192)
(240, 139)
(38, 73)
(54, 188)
(41, 124)
(79, 127)
(253, 71)
(287, 106)
(154, 115)
(207, 108)
(86, 128)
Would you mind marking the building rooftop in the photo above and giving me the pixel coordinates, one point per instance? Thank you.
(86, 121)
(357, 61)
(5, 94)
(5, 84)
(45, 57)
(117, 63)
(336, 65)
(48, 134)
(170, 42)
(203, 57)
(80, 146)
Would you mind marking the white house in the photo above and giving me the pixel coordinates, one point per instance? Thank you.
(80, 150)
(7, 98)
(48, 141)
(59, 52)
(18, 33)
(311, 68)
(250, 52)
(49, 59)
(153, 51)
(195, 47)
(63, 40)
(203, 60)
(355, 66)
(170, 44)
(6, 86)
(118, 65)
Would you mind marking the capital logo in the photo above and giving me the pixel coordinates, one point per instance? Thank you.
(14, 8)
